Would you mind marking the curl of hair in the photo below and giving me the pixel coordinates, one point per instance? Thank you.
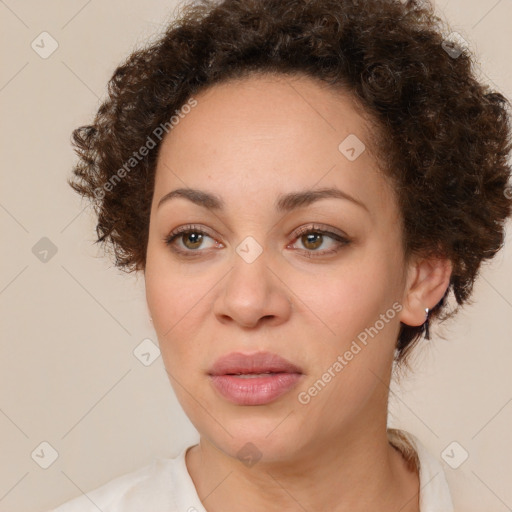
(443, 136)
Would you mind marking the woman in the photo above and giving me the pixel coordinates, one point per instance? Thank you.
(304, 185)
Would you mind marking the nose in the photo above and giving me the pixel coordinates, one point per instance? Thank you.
(253, 294)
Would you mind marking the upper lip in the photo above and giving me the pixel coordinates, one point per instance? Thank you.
(259, 362)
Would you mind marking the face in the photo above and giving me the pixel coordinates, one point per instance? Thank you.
(296, 250)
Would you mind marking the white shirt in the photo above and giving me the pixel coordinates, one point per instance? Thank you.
(165, 485)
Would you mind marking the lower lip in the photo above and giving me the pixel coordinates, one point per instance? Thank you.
(254, 390)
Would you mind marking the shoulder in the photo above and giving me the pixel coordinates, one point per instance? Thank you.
(158, 485)
(434, 491)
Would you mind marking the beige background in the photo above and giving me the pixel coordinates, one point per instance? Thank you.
(68, 375)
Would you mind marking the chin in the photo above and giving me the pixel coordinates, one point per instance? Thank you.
(250, 450)
(267, 438)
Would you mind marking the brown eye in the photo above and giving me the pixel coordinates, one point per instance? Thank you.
(315, 241)
(192, 240)
(312, 241)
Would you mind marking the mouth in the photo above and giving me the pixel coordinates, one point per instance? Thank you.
(256, 379)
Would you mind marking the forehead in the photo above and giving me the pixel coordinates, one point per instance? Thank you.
(266, 133)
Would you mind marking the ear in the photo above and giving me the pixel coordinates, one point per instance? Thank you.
(426, 283)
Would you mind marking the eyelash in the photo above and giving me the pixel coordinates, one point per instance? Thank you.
(312, 229)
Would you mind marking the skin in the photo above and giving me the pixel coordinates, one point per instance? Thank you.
(248, 142)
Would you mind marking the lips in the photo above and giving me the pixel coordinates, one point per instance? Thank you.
(237, 363)
(255, 379)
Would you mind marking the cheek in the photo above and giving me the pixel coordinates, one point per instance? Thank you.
(358, 304)
(176, 300)
(351, 297)
(169, 294)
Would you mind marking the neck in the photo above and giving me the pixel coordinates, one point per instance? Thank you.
(352, 470)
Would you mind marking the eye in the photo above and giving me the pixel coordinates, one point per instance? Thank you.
(191, 241)
(188, 240)
(313, 238)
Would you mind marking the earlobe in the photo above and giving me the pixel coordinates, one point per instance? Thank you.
(427, 281)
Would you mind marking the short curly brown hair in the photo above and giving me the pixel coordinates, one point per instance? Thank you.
(444, 136)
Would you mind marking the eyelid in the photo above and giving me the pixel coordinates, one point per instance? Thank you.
(190, 227)
(321, 228)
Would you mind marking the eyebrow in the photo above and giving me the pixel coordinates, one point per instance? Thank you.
(284, 203)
